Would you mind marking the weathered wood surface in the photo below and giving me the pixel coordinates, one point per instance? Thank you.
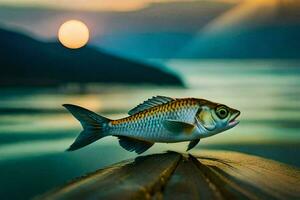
(202, 175)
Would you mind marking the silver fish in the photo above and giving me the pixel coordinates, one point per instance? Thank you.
(159, 119)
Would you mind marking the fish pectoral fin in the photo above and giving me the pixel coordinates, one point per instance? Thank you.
(178, 126)
(192, 144)
(132, 144)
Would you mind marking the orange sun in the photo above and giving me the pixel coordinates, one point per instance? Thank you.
(73, 34)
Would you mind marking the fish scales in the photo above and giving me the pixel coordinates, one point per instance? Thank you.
(158, 119)
(148, 123)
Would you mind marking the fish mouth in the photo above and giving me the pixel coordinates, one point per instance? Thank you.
(233, 121)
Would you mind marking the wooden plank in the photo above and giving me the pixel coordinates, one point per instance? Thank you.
(228, 191)
(188, 182)
(140, 179)
(203, 175)
(250, 177)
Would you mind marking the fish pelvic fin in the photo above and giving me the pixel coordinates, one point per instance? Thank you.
(192, 144)
(94, 126)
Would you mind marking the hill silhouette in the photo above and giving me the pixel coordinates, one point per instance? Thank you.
(28, 62)
(253, 29)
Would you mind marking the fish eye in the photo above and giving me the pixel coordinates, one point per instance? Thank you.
(222, 112)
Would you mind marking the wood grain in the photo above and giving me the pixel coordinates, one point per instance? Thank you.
(139, 179)
(200, 175)
(251, 176)
(188, 182)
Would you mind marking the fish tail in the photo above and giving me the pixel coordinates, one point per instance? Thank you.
(94, 126)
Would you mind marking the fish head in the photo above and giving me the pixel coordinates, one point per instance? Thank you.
(213, 118)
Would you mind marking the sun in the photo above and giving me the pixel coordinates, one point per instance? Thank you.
(73, 34)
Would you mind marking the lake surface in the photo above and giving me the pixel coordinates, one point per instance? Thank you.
(35, 129)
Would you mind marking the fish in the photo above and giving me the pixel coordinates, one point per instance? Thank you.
(159, 119)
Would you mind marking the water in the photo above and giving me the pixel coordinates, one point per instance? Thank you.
(35, 129)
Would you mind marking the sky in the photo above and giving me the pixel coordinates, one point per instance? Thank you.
(117, 5)
(160, 27)
(169, 17)
(166, 16)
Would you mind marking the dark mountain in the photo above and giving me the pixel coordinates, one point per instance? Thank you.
(160, 30)
(25, 61)
(267, 29)
(269, 42)
(249, 29)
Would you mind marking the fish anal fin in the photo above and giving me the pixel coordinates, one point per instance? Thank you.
(152, 102)
(178, 126)
(192, 144)
(132, 144)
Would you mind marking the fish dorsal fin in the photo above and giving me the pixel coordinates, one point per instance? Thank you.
(178, 126)
(192, 144)
(131, 144)
(154, 101)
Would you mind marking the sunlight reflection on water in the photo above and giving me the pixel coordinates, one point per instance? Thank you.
(35, 129)
(266, 92)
